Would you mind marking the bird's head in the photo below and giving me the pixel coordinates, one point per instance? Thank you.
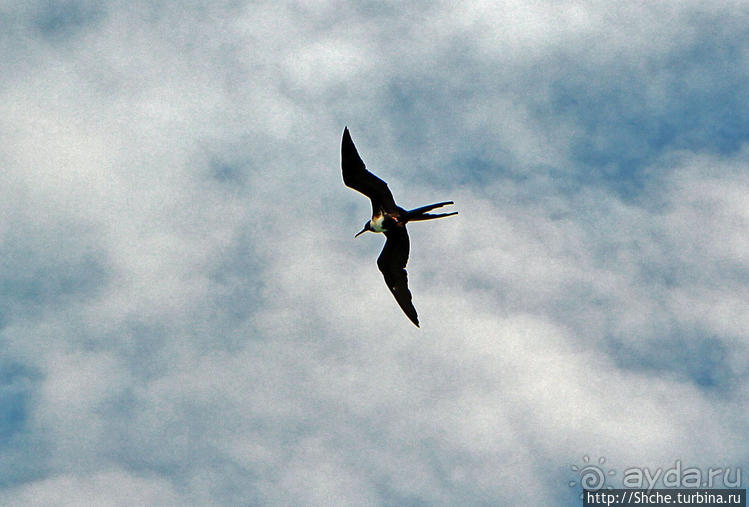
(366, 228)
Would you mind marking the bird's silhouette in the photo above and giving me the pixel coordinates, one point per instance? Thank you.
(387, 218)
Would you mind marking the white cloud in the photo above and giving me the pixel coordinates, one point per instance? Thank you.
(103, 488)
(180, 274)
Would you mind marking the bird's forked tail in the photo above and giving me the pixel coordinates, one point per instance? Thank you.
(417, 214)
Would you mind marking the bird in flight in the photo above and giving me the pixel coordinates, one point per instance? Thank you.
(387, 218)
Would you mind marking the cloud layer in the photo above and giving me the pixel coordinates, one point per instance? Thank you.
(185, 318)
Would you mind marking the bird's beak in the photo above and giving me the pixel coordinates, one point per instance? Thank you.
(361, 232)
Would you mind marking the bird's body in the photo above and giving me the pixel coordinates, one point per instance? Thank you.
(387, 218)
(378, 223)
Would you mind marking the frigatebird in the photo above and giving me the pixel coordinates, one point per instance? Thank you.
(387, 218)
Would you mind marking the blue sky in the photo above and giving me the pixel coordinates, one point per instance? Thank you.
(186, 319)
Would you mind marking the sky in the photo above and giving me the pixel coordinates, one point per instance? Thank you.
(185, 317)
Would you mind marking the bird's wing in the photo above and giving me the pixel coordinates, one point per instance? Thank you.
(392, 263)
(356, 176)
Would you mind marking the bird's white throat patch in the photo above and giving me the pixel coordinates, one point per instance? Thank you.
(376, 224)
